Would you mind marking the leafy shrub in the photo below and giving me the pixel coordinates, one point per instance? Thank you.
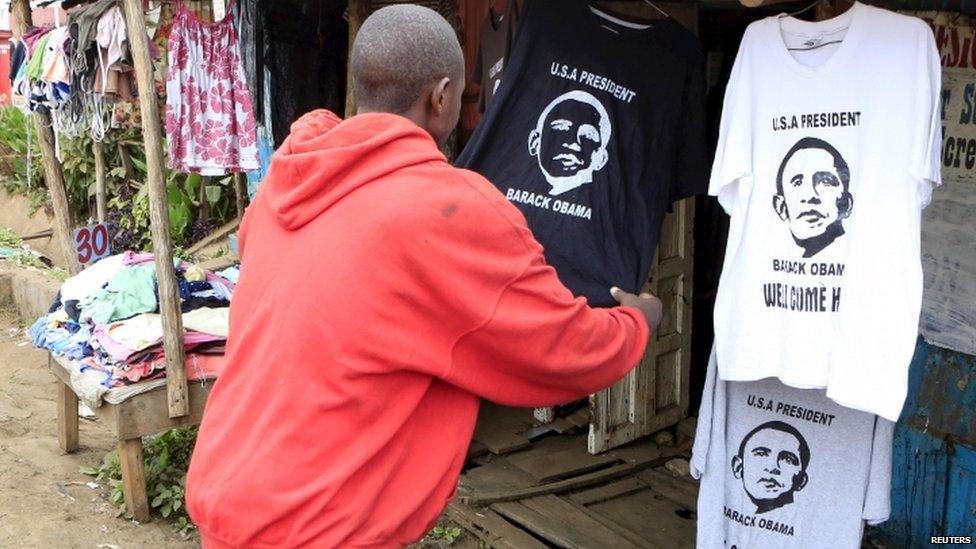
(166, 457)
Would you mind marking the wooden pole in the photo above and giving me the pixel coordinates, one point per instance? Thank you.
(240, 189)
(100, 195)
(169, 296)
(53, 177)
(358, 11)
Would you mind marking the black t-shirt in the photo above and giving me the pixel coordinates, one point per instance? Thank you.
(493, 47)
(597, 127)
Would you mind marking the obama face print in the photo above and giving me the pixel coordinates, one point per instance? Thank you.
(570, 140)
(772, 464)
(812, 194)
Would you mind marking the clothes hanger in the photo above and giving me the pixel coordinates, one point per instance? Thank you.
(823, 7)
(662, 12)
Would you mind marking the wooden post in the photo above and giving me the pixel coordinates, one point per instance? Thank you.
(100, 195)
(134, 478)
(67, 418)
(358, 11)
(53, 177)
(240, 189)
(169, 296)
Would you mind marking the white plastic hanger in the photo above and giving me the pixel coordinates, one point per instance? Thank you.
(662, 12)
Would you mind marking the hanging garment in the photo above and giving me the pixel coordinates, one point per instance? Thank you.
(785, 468)
(303, 37)
(824, 176)
(493, 47)
(210, 122)
(18, 54)
(594, 139)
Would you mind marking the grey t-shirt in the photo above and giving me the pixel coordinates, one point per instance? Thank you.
(786, 468)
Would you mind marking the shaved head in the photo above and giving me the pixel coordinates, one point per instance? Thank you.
(399, 51)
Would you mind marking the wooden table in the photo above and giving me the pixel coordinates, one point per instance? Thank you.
(138, 416)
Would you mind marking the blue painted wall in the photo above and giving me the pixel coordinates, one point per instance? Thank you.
(933, 490)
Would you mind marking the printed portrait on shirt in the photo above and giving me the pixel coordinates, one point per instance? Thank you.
(772, 464)
(570, 140)
(813, 194)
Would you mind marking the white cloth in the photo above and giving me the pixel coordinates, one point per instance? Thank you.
(138, 332)
(824, 163)
(146, 330)
(213, 321)
(91, 279)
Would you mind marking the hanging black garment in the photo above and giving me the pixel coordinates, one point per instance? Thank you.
(597, 127)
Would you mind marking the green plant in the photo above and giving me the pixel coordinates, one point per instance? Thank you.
(58, 274)
(166, 457)
(447, 534)
(27, 259)
(16, 156)
(9, 239)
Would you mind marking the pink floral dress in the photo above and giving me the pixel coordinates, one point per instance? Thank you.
(209, 115)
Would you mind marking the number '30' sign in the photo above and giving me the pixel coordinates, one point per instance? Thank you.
(92, 243)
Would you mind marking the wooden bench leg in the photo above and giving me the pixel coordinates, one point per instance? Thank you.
(134, 478)
(67, 418)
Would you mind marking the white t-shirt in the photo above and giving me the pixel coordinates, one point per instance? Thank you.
(826, 157)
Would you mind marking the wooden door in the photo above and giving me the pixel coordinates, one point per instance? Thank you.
(655, 394)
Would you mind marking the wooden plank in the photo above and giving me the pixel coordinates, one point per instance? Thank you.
(575, 483)
(101, 196)
(476, 449)
(53, 176)
(630, 535)
(553, 531)
(616, 489)
(498, 475)
(134, 478)
(146, 413)
(651, 517)
(67, 418)
(499, 431)
(492, 529)
(169, 297)
(683, 492)
(557, 465)
(573, 517)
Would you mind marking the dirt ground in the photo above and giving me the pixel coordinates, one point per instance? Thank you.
(44, 501)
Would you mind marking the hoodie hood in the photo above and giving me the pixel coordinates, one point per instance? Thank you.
(325, 158)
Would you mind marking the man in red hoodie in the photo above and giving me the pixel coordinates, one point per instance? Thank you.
(382, 294)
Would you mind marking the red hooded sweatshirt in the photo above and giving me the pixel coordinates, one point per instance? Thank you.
(382, 292)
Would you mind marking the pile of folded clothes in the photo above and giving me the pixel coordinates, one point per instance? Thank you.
(107, 319)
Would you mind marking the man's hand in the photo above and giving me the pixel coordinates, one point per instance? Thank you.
(646, 303)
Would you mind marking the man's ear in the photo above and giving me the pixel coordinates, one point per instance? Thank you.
(737, 467)
(779, 204)
(438, 96)
(799, 481)
(535, 141)
(844, 205)
(599, 159)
